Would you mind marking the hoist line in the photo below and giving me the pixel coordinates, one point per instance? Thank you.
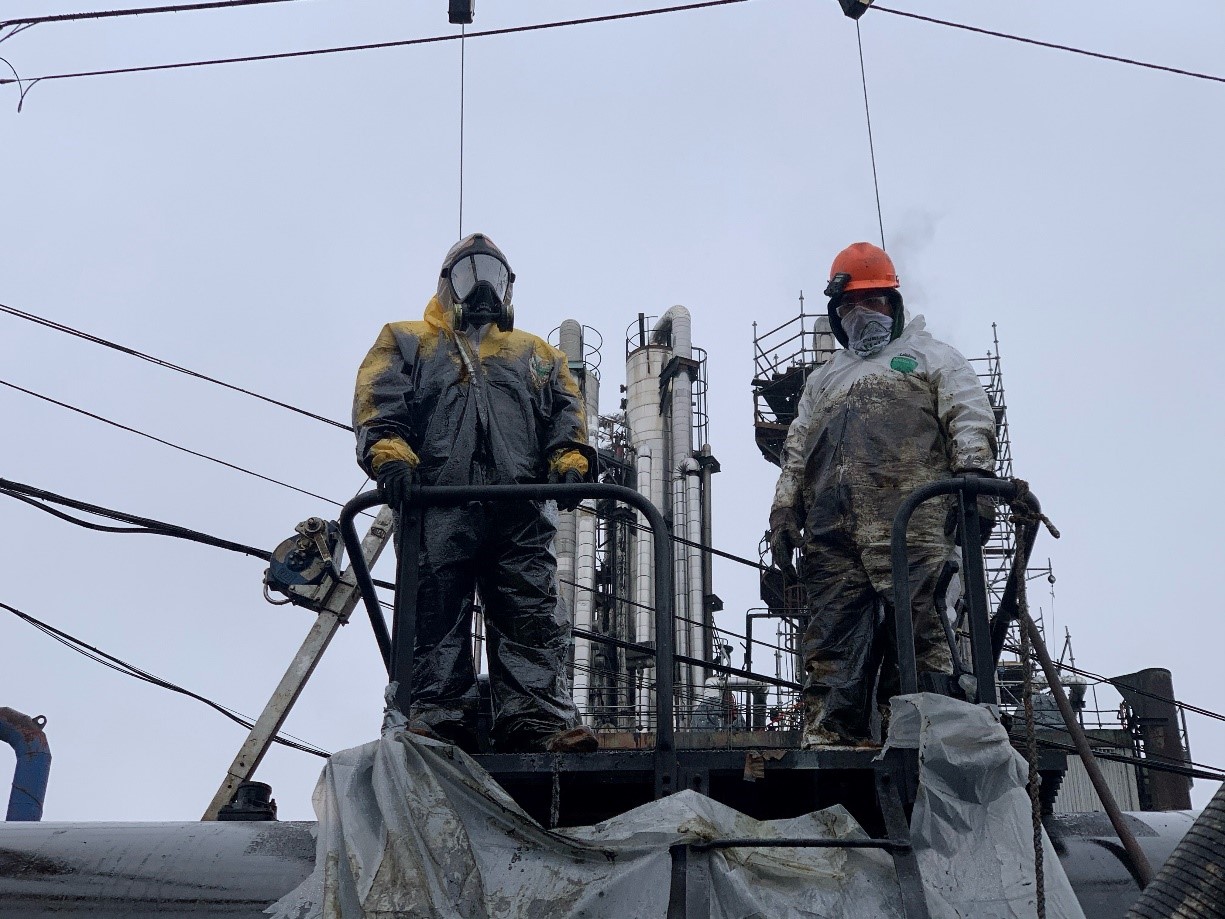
(871, 146)
(463, 47)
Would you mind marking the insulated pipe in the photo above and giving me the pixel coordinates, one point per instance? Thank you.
(570, 343)
(643, 583)
(645, 423)
(644, 597)
(25, 735)
(674, 330)
(584, 569)
(691, 475)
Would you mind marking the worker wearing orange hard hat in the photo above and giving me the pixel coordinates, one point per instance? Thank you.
(892, 411)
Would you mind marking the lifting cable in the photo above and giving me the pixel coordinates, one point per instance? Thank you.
(121, 666)
(871, 146)
(463, 48)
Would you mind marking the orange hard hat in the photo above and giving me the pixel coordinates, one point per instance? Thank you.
(868, 266)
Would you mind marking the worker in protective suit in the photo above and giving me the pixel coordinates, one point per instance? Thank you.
(463, 398)
(894, 410)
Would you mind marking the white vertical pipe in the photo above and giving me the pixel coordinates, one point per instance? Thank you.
(675, 327)
(692, 477)
(584, 605)
(570, 343)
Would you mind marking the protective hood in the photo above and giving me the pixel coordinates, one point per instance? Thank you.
(899, 315)
(476, 283)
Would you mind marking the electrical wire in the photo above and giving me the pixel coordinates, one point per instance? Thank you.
(374, 46)
(36, 496)
(132, 352)
(1052, 45)
(135, 11)
(1116, 682)
(642, 527)
(205, 456)
(121, 666)
(1215, 775)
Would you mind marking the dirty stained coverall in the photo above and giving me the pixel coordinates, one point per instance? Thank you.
(868, 431)
(501, 410)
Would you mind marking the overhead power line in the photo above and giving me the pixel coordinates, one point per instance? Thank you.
(375, 46)
(135, 11)
(1215, 774)
(1046, 44)
(121, 666)
(124, 349)
(36, 497)
(1117, 683)
(205, 456)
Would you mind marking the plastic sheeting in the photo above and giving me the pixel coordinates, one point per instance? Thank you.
(410, 827)
(972, 825)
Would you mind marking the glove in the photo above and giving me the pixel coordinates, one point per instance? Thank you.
(985, 507)
(785, 538)
(395, 479)
(569, 477)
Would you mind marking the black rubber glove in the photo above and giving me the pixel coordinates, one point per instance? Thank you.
(570, 477)
(395, 478)
(986, 512)
(785, 538)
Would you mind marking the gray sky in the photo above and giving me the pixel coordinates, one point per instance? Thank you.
(259, 222)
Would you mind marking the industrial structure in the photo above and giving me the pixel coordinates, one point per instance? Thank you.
(655, 443)
(652, 672)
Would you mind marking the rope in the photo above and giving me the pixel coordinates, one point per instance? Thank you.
(1031, 755)
(1026, 517)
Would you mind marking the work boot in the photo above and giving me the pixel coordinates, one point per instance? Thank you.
(816, 737)
(581, 739)
(456, 736)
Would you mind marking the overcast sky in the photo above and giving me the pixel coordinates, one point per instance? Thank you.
(259, 222)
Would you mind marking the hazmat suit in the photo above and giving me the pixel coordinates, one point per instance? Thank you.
(869, 430)
(479, 403)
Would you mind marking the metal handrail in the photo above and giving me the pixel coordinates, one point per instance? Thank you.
(967, 489)
(450, 495)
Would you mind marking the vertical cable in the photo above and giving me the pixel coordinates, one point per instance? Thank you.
(463, 43)
(871, 147)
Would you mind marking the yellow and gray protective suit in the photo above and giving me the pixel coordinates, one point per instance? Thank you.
(867, 432)
(468, 409)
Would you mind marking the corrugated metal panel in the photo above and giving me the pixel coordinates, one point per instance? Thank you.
(1076, 794)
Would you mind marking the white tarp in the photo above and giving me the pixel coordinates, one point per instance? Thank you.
(411, 827)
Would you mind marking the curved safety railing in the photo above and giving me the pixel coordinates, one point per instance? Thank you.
(967, 489)
(397, 647)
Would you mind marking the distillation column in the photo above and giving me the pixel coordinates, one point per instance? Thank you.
(576, 535)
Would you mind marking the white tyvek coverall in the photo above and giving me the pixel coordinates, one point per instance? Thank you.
(868, 432)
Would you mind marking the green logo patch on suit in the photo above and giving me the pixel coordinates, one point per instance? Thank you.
(904, 363)
(541, 369)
